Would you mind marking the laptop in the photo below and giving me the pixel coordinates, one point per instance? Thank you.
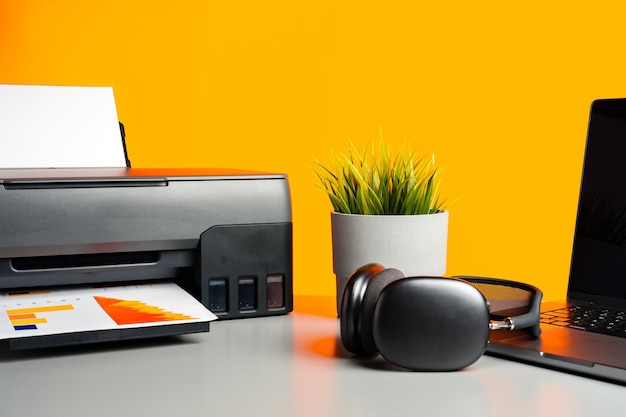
(586, 333)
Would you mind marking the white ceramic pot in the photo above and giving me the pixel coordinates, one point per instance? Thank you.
(414, 244)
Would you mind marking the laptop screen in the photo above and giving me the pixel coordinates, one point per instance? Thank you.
(598, 268)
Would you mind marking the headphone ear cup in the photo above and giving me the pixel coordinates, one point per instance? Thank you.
(376, 284)
(350, 315)
(430, 323)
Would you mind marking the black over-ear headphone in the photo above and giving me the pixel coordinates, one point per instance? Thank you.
(424, 323)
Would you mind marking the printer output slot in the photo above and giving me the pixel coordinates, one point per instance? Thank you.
(84, 260)
(62, 184)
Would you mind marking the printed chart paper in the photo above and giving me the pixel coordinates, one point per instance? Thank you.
(59, 127)
(68, 310)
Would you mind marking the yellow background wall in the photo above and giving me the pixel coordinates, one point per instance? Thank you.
(500, 92)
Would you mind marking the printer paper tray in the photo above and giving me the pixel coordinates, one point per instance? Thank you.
(87, 314)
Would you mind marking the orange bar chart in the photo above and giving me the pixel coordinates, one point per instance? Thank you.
(27, 319)
(135, 312)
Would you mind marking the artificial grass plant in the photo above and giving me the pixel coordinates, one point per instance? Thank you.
(376, 181)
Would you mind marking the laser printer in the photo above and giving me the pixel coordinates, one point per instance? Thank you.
(224, 235)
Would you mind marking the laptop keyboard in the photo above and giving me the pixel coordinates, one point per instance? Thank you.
(593, 319)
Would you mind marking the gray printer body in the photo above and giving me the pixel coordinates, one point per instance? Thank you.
(224, 235)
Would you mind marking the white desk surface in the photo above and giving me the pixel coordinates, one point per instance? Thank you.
(288, 366)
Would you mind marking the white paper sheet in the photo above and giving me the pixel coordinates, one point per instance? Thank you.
(69, 310)
(59, 127)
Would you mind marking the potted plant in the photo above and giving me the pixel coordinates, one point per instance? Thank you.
(387, 209)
